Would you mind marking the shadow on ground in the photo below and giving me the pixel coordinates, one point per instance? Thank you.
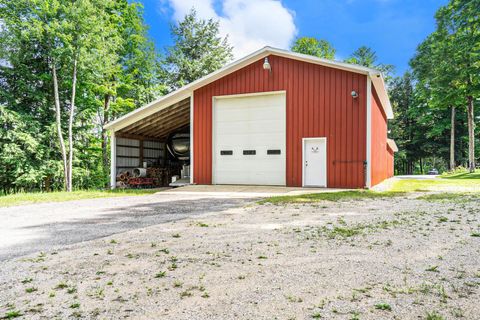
(58, 236)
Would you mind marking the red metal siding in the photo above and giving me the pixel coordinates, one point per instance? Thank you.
(319, 104)
(380, 155)
(390, 164)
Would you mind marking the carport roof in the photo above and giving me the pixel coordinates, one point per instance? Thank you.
(186, 91)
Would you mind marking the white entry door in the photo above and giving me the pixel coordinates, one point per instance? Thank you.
(249, 138)
(315, 162)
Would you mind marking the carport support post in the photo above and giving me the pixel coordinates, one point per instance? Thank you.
(113, 160)
(191, 137)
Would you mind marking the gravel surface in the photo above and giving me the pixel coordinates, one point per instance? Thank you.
(396, 258)
(51, 226)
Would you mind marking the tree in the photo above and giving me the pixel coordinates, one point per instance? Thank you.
(94, 57)
(459, 22)
(131, 74)
(314, 47)
(365, 56)
(197, 51)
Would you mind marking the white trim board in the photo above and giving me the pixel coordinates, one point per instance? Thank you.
(191, 138)
(186, 91)
(368, 182)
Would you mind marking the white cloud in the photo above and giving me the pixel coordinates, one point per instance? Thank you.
(249, 24)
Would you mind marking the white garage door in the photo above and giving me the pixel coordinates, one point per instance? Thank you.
(249, 134)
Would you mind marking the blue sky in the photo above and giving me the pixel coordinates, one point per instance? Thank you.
(393, 28)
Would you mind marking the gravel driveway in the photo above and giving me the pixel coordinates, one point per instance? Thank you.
(51, 226)
(395, 258)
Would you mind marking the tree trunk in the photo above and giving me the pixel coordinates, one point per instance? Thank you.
(58, 120)
(70, 126)
(106, 109)
(452, 139)
(471, 135)
(421, 166)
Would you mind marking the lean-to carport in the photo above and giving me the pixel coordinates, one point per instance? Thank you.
(141, 138)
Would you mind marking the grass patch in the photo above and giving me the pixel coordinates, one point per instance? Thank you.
(331, 196)
(451, 197)
(450, 184)
(12, 314)
(461, 175)
(383, 306)
(18, 199)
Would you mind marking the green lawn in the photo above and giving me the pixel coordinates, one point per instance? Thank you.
(452, 186)
(29, 198)
(459, 182)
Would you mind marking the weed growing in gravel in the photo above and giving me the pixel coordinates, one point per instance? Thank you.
(433, 316)
(176, 235)
(185, 294)
(31, 289)
(61, 285)
(161, 274)
(294, 299)
(383, 306)
(27, 280)
(316, 315)
(164, 250)
(177, 284)
(75, 305)
(71, 290)
(202, 224)
(12, 314)
(432, 269)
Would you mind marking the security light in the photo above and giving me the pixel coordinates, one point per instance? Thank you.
(266, 65)
(354, 94)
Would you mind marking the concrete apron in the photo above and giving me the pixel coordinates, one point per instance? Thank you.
(242, 191)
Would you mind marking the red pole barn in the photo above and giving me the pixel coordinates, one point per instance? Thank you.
(272, 118)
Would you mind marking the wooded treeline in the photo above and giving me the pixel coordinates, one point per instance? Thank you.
(67, 68)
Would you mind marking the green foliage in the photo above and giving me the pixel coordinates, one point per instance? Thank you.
(197, 51)
(366, 57)
(314, 47)
(116, 63)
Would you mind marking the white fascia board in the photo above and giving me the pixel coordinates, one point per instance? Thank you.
(379, 84)
(187, 90)
(324, 62)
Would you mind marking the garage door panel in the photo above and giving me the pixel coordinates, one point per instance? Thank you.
(250, 123)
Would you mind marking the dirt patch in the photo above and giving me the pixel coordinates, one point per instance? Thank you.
(398, 258)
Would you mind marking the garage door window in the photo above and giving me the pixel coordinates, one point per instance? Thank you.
(249, 152)
(276, 151)
(226, 152)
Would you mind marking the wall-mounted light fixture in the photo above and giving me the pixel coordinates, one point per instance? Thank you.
(354, 94)
(266, 65)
